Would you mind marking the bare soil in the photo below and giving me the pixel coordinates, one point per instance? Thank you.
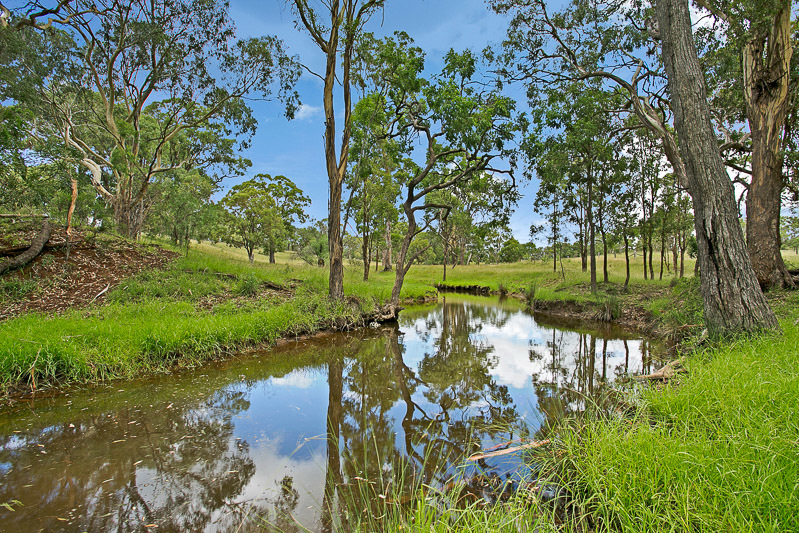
(75, 274)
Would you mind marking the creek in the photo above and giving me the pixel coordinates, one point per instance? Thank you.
(251, 441)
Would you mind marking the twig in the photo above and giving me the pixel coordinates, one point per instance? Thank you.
(101, 292)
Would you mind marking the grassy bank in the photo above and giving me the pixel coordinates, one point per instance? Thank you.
(719, 451)
(716, 451)
(213, 301)
(206, 305)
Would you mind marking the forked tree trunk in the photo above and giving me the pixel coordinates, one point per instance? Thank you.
(767, 97)
(129, 217)
(733, 301)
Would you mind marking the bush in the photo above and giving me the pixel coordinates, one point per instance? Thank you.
(529, 295)
(609, 309)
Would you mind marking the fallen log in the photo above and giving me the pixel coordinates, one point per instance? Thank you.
(665, 373)
(30, 254)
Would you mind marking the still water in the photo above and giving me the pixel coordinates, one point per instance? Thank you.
(244, 444)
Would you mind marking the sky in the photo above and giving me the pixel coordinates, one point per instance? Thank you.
(295, 148)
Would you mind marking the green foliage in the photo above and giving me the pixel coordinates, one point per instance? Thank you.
(108, 122)
(311, 244)
(511, 252)
(182, 207)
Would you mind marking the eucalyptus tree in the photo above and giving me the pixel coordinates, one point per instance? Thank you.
(261, 209)
(623, 207)
(751, 46)
(601, 40)
(450, 130)
(120, 57)
(733, 301)
(334, 26)
(179, 199)
(289, 203)
(574, 141)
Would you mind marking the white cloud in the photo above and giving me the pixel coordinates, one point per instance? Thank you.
(308, 112)
(299, 379)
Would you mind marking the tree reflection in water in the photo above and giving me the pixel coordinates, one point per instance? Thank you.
(404, 405)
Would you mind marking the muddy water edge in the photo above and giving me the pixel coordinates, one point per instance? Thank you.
(296, 437)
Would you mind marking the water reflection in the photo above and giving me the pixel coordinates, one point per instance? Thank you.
(289, 439)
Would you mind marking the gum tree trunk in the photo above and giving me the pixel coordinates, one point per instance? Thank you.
(387, 252)
(365, 255)
(766, 61)
(733, 301)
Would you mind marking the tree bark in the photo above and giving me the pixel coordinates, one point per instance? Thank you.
(583, 243)
(335, 170)
(626, 258)
(365, 255)
(129, 216)
(766, 94)
(272, 253)
(733, 301)
(662, 247)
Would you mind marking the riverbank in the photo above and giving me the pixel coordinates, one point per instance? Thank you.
(203, 306)
(136, 313)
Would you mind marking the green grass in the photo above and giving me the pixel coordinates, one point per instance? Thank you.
(716, 451)
(719, 451)
(122, 340)
(153, 321)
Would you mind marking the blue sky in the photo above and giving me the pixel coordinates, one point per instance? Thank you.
(295, 148)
